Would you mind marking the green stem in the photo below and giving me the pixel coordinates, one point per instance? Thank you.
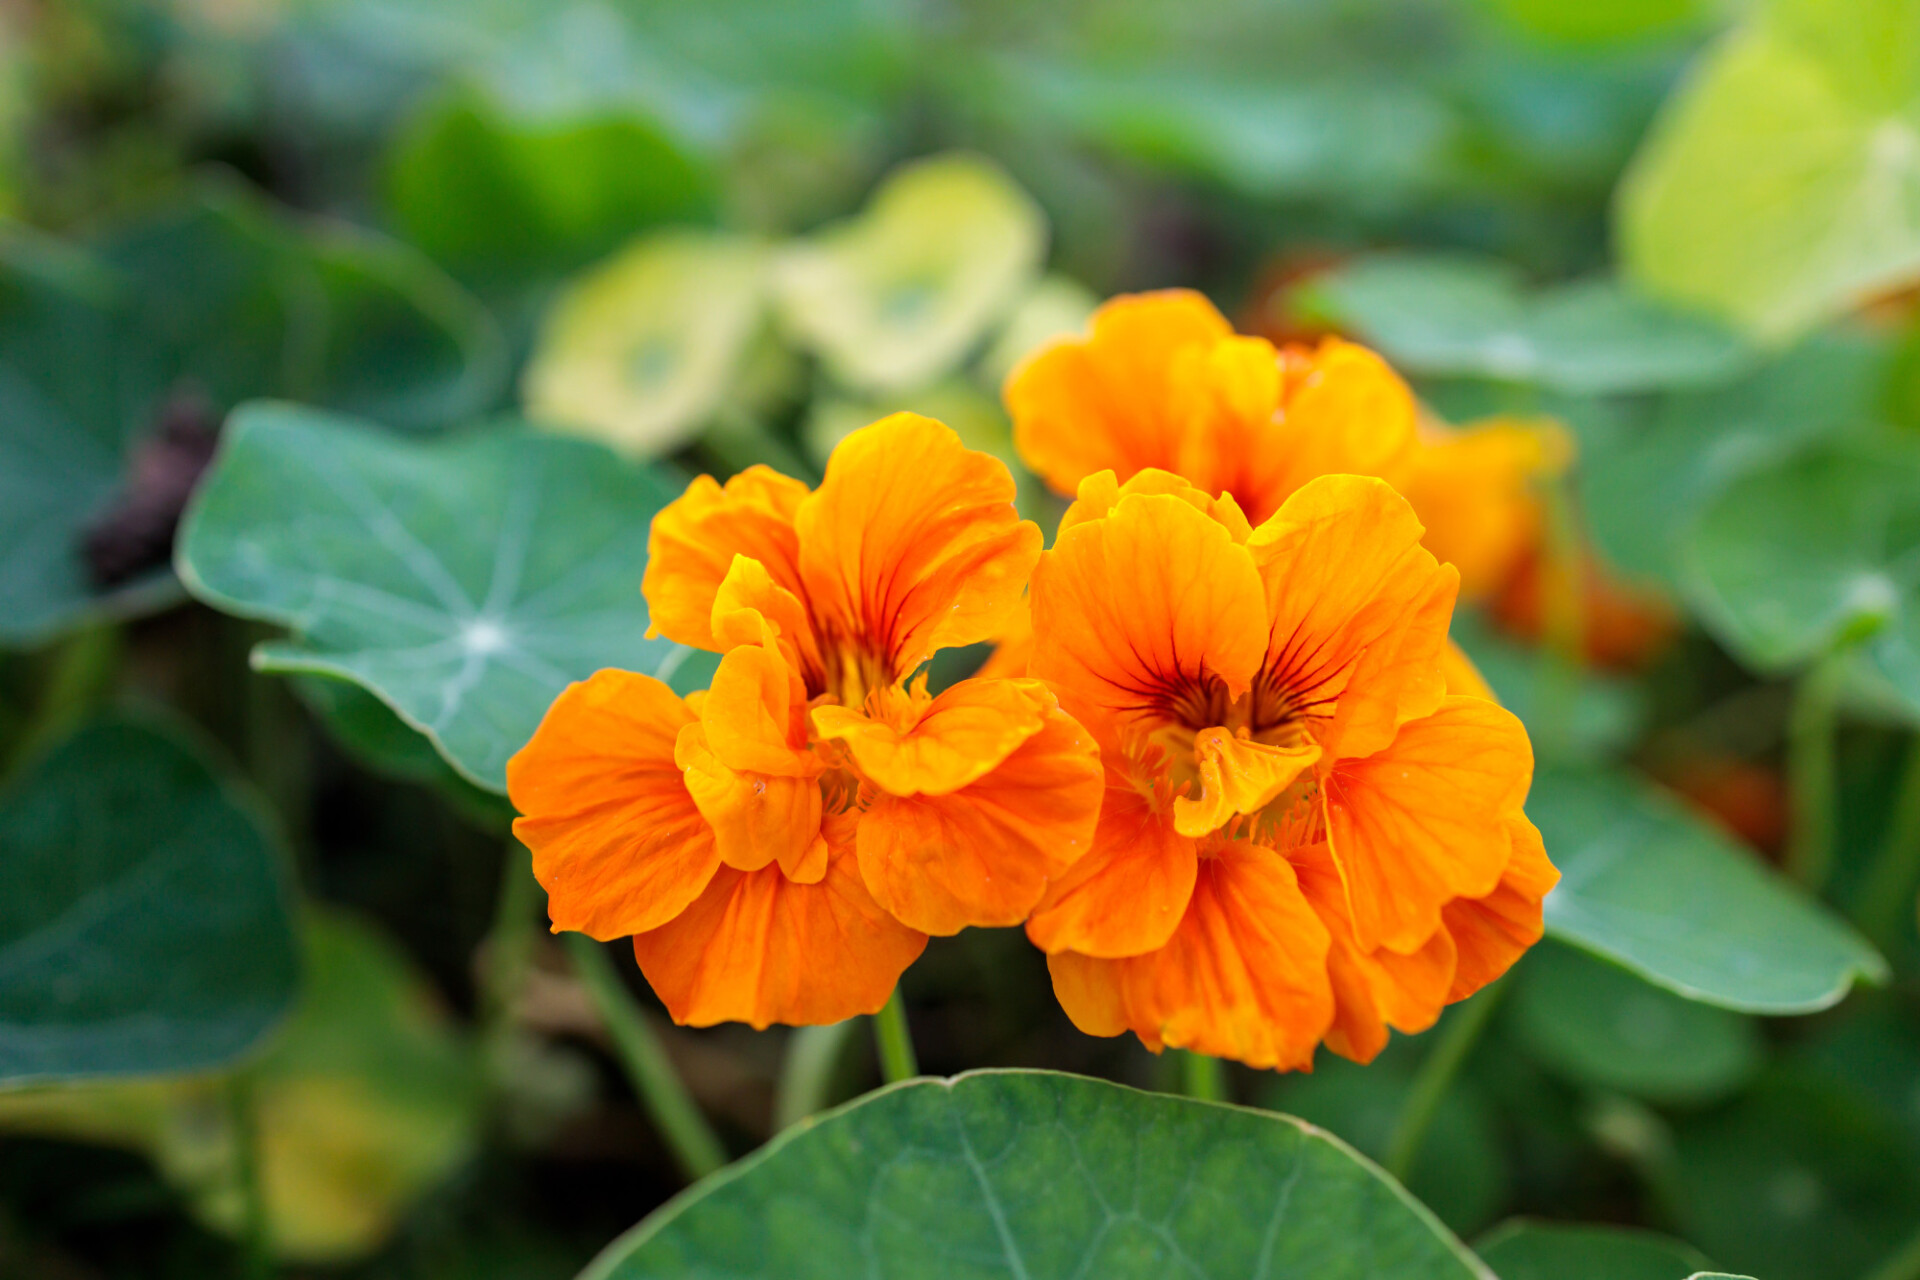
(1203, 1076)
(1456, 1040)
(508, 949)
(891, 1033)
(1812, 772)
(1902, 1264)
(806, 1077)
(256, 1242)
(695, 1148)
(1563, 621)
(80, 676)
(1886, 896)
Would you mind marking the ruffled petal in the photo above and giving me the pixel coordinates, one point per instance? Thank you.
(1427, 819)
(1108, 402)
(1128, 893)
(751, 608)
(1372, 990)
(983, 855)
(617, 842)
(755, 715)
(911, 544)
(1358, 612)
(1490, 933)
(757, 818)
(1344, 412)
(1153, 606)
(1243, 977)
(696, 536)
(937, 746)
(760, 949)
(1101, 492)
(1237, 776)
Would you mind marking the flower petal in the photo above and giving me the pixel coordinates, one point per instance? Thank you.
(1243, 977)
(1127, 894)
(751, 608)
(1101, 492)
(1152, 604)
(1345, 412)
(983, 855)
(911, 544)
(1372, 990)
(1357, 608)
(1476, 491)
(755, 714)
(617, 842)
(1426, 820)
(946, 743)
(695, 538)
(1462, 676)
(757, 818)
(758, 948)
(1492, 932)
(1107, 402)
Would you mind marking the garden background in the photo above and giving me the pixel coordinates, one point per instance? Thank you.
(473, 287)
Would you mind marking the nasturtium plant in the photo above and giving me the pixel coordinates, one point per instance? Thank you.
(465, 581)
(1455, 316)
(640, 351)
(1654, 888)
(1601, 1026)
(903, 291)
(1032, 1173)
(362, 1103)
(1813, 551)
(1777, 187)
(145, 911)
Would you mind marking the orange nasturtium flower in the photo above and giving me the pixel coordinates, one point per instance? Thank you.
(780, 846)
(1162, 381)
(1305, 836)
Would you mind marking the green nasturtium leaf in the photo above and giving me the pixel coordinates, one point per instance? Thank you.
(1028, 1173)
(495, 193)
(902, 292)
(1779, 185)
(365, 1101)
(1527, 1250)
(641, 350)
(1456, 316)
(145, 917)
(220, 298)
(1601, 1026)
(1650, 886)
(1793, 558)
(465, 581)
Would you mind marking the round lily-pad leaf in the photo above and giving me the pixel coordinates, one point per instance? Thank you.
(1778, 187)
(1794, 557)
(1453, 316)
(145, 918)
(1650, 886)
(1523, 1249)
(464, 581)
(1036, 1174)
(641, 350)
(1601, 1026)
(901, 293)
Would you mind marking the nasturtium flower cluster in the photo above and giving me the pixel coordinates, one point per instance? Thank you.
(1226, 767)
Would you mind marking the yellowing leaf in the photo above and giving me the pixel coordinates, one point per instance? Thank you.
(1782, 184)
(640, 351)
(899, 294)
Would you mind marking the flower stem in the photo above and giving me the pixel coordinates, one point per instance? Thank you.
(890, 1032)
(1203, 1076)
(1563, 623)
(813, 1055)
(255, 1228)
(1886, 896)
(507, 953)
(1812, 771)
(1902, 1264)
(1436, 1076)
(695, 1148)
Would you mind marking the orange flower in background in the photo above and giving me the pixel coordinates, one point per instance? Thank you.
(1305, 835)
(781, 845)
(1162, 381)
